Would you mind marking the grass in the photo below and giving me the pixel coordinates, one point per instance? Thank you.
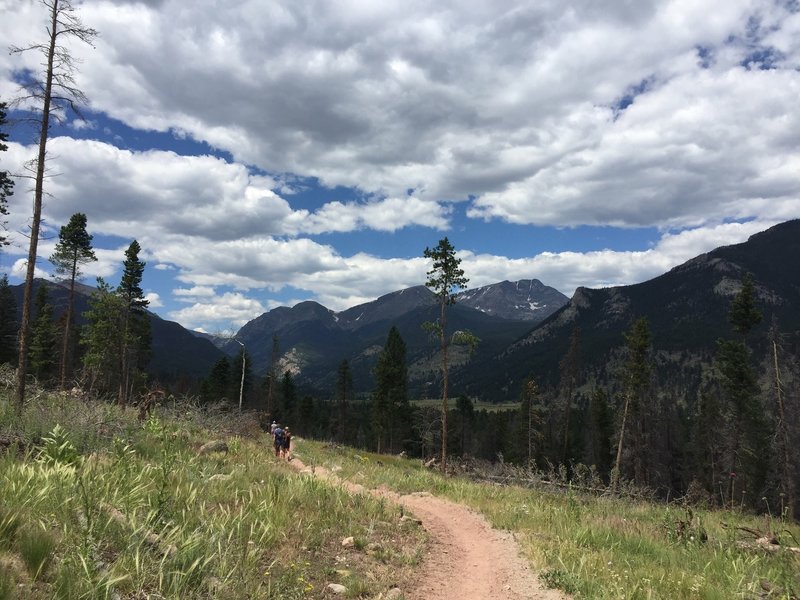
(603, 547)
(98, 505)
(487, 406)
(94, 504)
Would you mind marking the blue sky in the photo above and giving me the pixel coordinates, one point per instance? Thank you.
(269, 152)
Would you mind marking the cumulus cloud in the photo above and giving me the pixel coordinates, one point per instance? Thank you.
(154, 300)
(645, 115)
(20, 267)
(604, 268)
(218, 312)
(473, 99)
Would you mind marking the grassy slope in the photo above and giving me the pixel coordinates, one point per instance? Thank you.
(111, 508)
(596, 547)
(260, 530)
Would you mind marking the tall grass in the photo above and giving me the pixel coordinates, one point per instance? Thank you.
(98, 505)
(603, 547)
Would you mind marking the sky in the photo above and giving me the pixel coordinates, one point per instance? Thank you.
(268, 152)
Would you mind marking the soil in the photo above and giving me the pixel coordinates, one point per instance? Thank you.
(467, 558)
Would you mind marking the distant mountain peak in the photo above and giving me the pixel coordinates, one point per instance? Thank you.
(523, 300)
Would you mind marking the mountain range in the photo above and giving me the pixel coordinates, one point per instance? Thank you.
(524, 327)
(686, 309)
(312, 340)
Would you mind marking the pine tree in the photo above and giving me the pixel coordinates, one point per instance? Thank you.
(706, 442)
(73, 250)
(637, 373)
(465, 410)
(288, 397)
(344, 390)
(748, 430)
(102, 337)
(600, 431)
(391, 392)
(217, 384)
(43, 338)
(445, 279)
(569, 368)
(135, 323)
(744, 315)
(8, 322)
(306, 416)
(272, 375)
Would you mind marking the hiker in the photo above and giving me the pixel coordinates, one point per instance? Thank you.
(287, 445)
(279, 439)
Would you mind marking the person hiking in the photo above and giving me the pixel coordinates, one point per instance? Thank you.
(279, 439)
(287, 445)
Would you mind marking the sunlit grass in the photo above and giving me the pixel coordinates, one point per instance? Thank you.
(100, 505)
(600, 547)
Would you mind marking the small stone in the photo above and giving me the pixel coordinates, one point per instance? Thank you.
(348, 542)
(336, 588)
(407, 519)
(394, 593)
(213, 446)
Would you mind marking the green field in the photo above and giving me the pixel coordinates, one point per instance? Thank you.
(487, 406)
(95, 504)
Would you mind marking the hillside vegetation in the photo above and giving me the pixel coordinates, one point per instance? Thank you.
(95, 504)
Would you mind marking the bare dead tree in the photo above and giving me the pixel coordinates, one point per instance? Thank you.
(787, 484)
(48, 94)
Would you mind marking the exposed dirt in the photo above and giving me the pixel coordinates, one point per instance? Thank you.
(467, 558)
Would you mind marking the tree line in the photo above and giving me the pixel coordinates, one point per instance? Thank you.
(108, 354)
(737, 445)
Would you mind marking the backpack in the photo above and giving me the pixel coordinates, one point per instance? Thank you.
(279, 436)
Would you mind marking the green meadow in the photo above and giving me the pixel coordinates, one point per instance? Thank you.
(96, 504)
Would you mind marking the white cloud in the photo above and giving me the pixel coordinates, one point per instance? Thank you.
(217, 313)
(82, 124)
(189, 294)
(604, 268)
(154, 300)
(511, 103)
(20, 268)
(646, 114)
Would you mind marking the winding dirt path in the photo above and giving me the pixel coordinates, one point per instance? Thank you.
(468, 559)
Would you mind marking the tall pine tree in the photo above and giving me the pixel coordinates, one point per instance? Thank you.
(135, 347)
(73, 250)
(637, 372)
(44, 339)
(390, 398)
(8, 322)
(445, 279)
(102, 337)
(748, 433)
(344, 391)
(569, 369)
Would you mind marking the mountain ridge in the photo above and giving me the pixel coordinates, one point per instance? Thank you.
(686, 307)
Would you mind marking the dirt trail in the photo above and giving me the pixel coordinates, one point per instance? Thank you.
(467, 559)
